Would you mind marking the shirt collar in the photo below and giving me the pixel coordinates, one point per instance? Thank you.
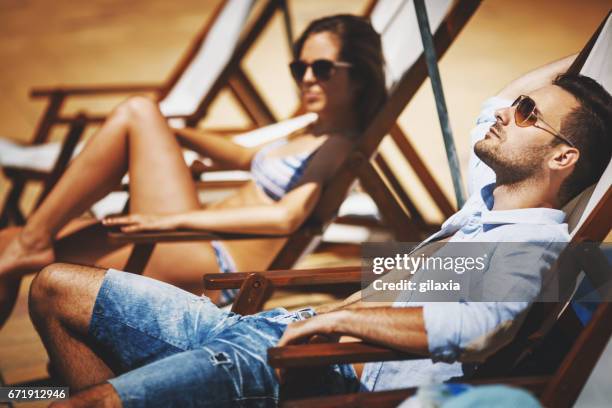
(542, 216)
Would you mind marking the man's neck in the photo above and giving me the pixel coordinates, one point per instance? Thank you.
(526, 194)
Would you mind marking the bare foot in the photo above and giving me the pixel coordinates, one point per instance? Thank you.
(19, 257)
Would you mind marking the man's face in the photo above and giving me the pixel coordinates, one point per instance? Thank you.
(517, 153)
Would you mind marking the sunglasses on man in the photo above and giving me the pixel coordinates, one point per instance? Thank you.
(526, 114)
(322, 69)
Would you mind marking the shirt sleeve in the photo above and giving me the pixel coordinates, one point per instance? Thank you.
(479, 174)
(470, 331)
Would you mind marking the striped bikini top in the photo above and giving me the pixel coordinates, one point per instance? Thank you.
(278, 175)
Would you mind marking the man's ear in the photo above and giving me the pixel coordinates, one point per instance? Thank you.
(564, 158)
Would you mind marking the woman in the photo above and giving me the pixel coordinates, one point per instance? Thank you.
(339, 71)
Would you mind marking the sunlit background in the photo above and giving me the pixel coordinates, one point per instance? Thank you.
(67, 42)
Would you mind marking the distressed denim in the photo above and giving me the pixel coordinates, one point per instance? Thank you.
(175, 349)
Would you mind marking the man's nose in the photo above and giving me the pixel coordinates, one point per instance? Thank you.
(503, 115)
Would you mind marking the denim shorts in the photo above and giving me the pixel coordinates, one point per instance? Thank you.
(171, 348)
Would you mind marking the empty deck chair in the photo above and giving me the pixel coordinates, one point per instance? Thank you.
(211, 63)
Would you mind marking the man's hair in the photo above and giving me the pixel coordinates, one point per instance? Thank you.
(589, 127)
(362, 47)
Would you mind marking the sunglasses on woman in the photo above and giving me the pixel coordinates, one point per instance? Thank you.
(526, 114)
(322, 69)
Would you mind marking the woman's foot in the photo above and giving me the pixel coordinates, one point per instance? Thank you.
(22, 254)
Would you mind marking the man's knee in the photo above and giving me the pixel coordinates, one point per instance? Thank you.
(53, 283)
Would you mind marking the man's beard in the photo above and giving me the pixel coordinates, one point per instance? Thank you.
(510, 168)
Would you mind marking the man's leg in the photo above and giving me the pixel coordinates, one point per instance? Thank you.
(98, 396)
(62, 298)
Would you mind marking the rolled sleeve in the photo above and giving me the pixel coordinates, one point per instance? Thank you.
(471, 331)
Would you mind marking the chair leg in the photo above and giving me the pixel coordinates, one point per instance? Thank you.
(141, 253)
(75, 132)
(10, 210)
(3, 384)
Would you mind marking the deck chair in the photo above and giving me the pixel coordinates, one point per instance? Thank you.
(558, 388)
(449, 18)
(211, 63)
(589, 217)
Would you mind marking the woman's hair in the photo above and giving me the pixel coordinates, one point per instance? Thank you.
(361, 46)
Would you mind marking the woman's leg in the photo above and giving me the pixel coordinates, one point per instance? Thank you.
(158, 184)
(135, 138)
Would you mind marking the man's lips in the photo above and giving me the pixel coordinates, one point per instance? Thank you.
(493, 131)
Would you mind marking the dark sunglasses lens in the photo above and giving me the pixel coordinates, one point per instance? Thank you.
(322, 69)
(298, 69)
(523, 113)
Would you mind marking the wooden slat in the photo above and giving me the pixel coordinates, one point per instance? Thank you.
(234, 63)
(384, 399)
(96, 89)
(287, 277)
(422, 172)
(250, 100)
(117, 237)
(322, 354)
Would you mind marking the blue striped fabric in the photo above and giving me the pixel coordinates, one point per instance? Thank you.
(226, 265)
(278, 175)
(275, 176)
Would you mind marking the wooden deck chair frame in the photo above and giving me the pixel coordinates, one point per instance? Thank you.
(232, 76)
(358, 165)
(558, 389)
(381, 183)
(571, 376)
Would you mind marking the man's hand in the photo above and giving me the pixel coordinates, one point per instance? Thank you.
(142, 222)
(318, 329)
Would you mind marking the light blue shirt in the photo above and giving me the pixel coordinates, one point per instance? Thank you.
(468, 332)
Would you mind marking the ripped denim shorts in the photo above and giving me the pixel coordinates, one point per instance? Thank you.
(171, 348)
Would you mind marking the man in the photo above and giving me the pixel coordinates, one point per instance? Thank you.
(125, 340)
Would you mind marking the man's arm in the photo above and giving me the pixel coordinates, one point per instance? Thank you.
(402, 329)
(537, 78)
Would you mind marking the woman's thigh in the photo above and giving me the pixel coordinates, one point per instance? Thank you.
(160, 181)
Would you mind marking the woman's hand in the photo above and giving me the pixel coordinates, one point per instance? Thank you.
(142, 222)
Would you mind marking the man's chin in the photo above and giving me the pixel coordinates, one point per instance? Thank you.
(485, 150)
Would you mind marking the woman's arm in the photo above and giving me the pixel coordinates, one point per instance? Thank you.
(537, 78)
(218, 148)
(280, 218)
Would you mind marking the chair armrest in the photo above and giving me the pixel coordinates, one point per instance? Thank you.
(383, 399)
(288, 278)
(322, 354)
(118, 237)
(93, 90)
